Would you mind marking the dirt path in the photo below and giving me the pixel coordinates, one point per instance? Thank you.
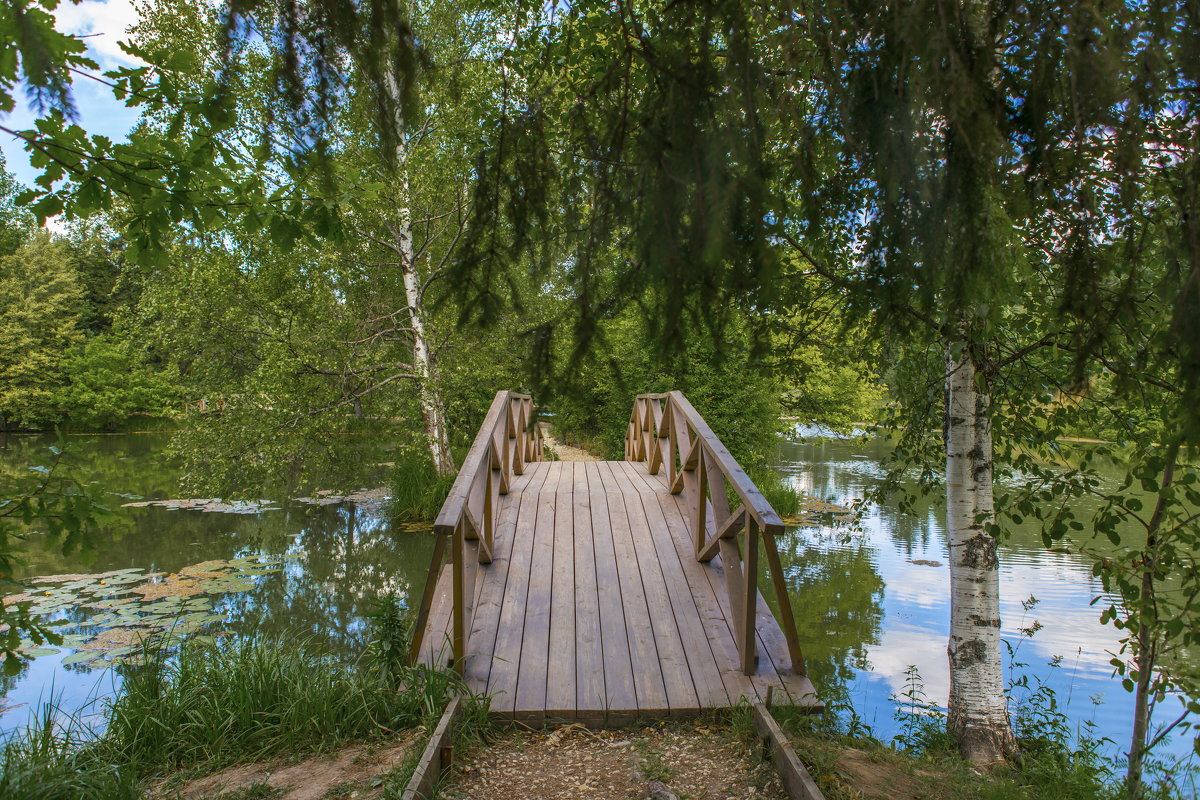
(565, 452)
(688, 761)
(355, 771)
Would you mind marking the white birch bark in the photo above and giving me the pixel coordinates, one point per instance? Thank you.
(429, 396)
(978, 711)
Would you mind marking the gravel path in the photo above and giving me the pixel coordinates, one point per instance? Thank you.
(692, 761)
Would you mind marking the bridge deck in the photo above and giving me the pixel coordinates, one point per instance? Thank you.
(595, 607)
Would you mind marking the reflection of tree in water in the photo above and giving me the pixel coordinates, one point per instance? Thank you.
(837, 596)
(913, 533)
(346, 559)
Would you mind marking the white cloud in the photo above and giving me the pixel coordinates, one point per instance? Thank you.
(105, 22)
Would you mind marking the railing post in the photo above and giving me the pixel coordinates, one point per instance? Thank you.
(747, 647)
(459, 635)
(700, 512)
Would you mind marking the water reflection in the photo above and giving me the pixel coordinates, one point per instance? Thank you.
(339, 559)
(873, 601)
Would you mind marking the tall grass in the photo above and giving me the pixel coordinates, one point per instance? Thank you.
(786, 501)
(417, 491)
(251, 699)
(50, 761)
(217, 704)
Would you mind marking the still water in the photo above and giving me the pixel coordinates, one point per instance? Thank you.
(873, 602)
(870, 602)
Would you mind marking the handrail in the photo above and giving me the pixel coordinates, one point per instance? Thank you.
(507, 440)
(666, 429)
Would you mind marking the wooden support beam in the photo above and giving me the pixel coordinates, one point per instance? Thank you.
(716, 487)
(787, 620)
(730, 527)
(731, 563)
(690, 460)
(431, 579)
(459, 622)
(699, 507)
(437, 756)
(797, 782)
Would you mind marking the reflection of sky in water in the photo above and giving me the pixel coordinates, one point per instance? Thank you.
(913, 606)
(344, 558)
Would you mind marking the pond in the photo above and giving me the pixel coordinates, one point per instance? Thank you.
(870, 603)
(309, 571)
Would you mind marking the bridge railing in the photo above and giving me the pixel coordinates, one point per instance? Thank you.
(507, 440)
(664, 429)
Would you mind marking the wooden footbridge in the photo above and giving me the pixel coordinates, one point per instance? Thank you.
(607, 591)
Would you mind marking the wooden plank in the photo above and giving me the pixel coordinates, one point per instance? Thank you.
(796, 780)
(702, 664)
(510, 627)
(590, 700)
(560, 668)
(712, 616)
(485, 628)
(620, 697)
(648, 684)
(530, 703)
(677, 678)
(437, 756)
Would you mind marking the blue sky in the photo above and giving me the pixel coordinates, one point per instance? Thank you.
(106, 23)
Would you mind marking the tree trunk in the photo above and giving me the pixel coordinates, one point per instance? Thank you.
(433, 408)
(1147, 650)
(978, 710)
(1144, 659)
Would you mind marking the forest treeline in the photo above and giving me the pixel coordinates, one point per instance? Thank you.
(65, 359)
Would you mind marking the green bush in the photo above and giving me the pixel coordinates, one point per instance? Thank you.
(108, 380)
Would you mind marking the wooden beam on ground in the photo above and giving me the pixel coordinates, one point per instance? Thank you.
(437, 757)
(796, 780)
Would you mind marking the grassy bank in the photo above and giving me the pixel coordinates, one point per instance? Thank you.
(214, 705)
(1056, 761)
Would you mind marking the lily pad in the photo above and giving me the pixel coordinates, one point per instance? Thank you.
(81, 657)
(38, 652)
